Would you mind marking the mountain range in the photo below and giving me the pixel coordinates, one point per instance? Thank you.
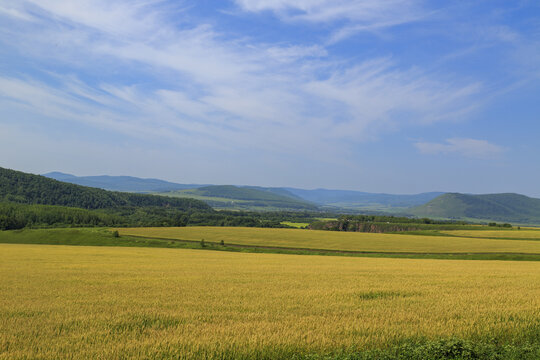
(491, 207)
(255, 197)
(120, 183)
(24, 188)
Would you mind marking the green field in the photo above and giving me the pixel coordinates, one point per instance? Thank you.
(60, 302)
(295, 224)
(331, 240)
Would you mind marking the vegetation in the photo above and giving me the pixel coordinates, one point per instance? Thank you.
(33, 201)
(497, 234)
(346, 199)
(496, 207)
(19, 187)
(116, 303)
(385, 223)
(105, 237)
(245, 198)
(120, 183)
(339, 241)
(18, 216)
(159, 286)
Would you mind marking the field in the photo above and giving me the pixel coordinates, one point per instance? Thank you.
(345, 241)
(295, 224)
(161, 293)
(113, 303)
(497, 234)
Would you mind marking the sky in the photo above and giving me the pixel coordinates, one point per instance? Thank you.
(394, 96)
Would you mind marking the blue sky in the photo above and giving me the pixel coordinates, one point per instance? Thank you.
(397, 96)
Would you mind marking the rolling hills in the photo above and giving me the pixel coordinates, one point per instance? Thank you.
(497, 207)
(244, 198)
(492, 207)
(120, 183)
(24, 188)
(255, 197)
(358, 200)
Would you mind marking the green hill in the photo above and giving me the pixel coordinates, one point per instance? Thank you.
(24, 188)
(243, 198)
(497, 207)
(120, 183)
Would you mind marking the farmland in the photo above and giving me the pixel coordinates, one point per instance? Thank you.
(112, 303)
(163, 293)
(346, 241)
(497, 234)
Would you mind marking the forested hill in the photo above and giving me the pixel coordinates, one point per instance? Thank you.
(498, 207)
(246, 198)
(24, 188)
(121, 183)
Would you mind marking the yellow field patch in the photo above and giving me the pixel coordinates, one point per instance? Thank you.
(497, 234)
(333, 240)
(109, 303)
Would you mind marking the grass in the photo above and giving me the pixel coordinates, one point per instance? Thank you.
(295, 224)
(117, 303)
(343, 241)
(105, 237)
(497, 234)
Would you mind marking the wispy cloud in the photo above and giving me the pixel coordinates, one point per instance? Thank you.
(229, 91)
(472, 148)
(366, 11)
(353, 16)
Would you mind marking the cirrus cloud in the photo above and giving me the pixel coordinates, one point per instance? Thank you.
(473, 148)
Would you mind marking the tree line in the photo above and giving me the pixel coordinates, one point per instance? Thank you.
(18, 216)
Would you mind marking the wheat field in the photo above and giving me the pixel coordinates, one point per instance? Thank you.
(62, 302)
(496, 234)
(338, 240)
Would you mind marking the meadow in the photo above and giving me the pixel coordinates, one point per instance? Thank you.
(117, 303)
(333, 240)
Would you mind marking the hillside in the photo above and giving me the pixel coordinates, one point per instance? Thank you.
(241, 197)
(244, 198)
(121, 183)
(24, 188)
(348, 199)
(277, 191)
(497, 207)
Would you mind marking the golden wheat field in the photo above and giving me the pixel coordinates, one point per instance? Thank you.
(497, 234)
(61, 302)
(338, 240)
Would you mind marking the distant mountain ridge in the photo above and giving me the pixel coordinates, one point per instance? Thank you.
(356, 199)
(24, 188)
(507, 207)
(121, 183)
(245, 198)
(492, 207)
(305, 199)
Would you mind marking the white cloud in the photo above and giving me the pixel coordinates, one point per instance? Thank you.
(188, 83)
(353, 15)
(368, 11)
(472, 148)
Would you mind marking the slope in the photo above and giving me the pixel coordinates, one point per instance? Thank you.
(357, 200)
(121, 183)
(497, 207)
(245, 198)
(20, 187)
